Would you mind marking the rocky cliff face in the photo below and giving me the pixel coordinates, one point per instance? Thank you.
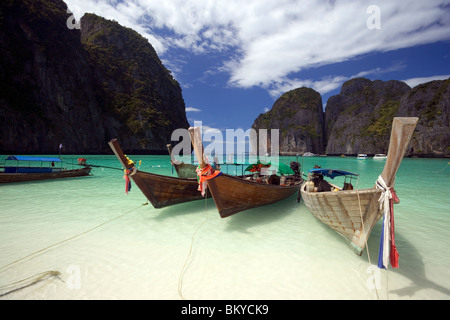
(299, 117)
(359, 118)
(141, 99)
(60, 85)
(46, 92)
(430, 102)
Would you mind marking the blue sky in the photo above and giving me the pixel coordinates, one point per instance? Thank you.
(234, 58)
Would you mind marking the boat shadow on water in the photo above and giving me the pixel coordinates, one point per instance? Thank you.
(411, 265)
(268, 214)
(183, 209)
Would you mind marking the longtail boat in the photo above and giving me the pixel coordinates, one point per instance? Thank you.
(353, 213)
(233, 194)
(184, 170)
(27, 168)
(160, 190)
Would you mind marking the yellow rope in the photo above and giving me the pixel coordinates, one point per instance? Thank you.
(47, 274)
(183, 270)
(366, 238)
(66, 240)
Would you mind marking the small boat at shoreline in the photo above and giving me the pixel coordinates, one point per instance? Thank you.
(184, 170)
(361, 156)
(28, 168)
(161, 191)
(309, 154)
(380, 156)
(233, 194)
(353, 213)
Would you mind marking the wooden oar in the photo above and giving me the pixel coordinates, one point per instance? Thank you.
(402, 130)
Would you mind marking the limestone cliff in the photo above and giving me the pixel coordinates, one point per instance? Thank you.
(80, 88)
(298, 115)
(359, 119)
(46, 94)
(430, 102)
(142, 100)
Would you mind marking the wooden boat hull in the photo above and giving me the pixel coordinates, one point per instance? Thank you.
(163, 191)
(23, 177)
(234, 194)
(351, 213)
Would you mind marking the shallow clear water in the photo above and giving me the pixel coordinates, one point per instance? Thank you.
(108, 245)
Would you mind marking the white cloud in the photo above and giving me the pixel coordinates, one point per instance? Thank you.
(190, 109)
(272, 40)
(328, 83)
(416, 81)
(323, 86)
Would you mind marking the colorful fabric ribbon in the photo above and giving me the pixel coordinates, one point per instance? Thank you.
(204, 174)
(128, 172)
(388, 251)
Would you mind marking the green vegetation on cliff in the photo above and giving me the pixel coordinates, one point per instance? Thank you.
(131, 74)
(80, 87)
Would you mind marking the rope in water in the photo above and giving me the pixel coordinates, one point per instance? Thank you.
(366, 244)
(44, 275)
(183, 270)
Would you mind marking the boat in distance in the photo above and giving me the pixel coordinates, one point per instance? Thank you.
(309, 154)
(184, 170)
(162, 191)
(233, 194)
(361, 156)
(353, 213)
(380, 156)
(29, 168)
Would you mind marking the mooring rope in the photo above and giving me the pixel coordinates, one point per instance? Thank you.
(183, 270)
(366, 240)
(45, 275)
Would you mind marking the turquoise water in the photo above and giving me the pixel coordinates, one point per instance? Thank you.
(84, 238)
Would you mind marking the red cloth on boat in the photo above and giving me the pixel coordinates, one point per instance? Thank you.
(394, 256)
(204, 174)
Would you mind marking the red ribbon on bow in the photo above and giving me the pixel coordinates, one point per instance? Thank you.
(204, 174)
(394, 256)
(127, 180)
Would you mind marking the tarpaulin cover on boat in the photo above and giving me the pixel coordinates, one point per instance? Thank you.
(332, 173)
(28, 158)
